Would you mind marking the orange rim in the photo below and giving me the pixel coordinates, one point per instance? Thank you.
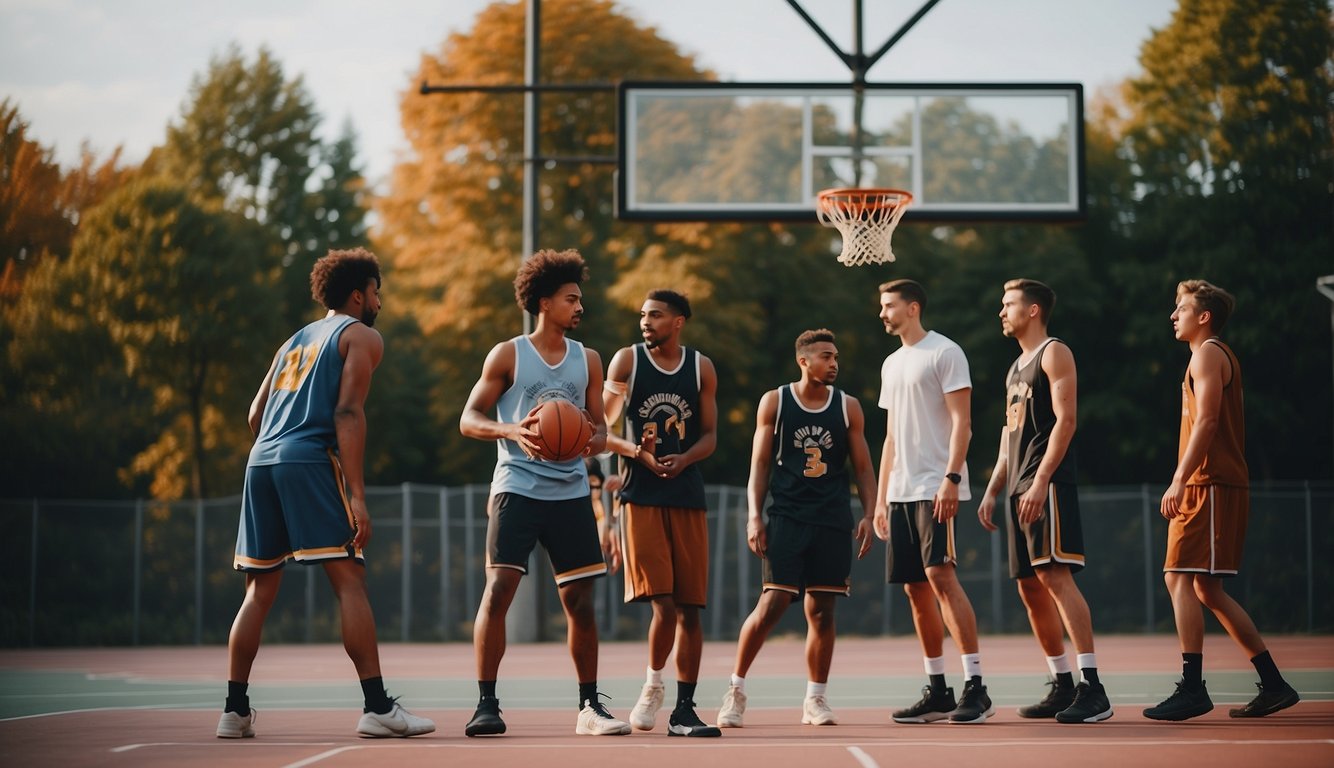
(857, 199)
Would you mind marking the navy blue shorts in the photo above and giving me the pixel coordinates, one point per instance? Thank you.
(801, 556)
(293, 512)
(566, 529)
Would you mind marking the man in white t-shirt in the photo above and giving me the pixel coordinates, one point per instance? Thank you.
(926, 390)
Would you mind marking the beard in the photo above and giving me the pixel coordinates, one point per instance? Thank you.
(368, 316)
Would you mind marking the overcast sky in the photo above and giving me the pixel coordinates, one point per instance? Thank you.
(115, 73)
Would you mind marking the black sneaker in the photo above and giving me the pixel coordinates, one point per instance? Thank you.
(974, 705)
(684, 722)
(1058, 699)
(1186, 702)
(1267, 702)
(486, 720)
(936, 704)
(1090, 705)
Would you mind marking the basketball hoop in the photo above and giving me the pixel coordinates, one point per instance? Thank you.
(866, 218)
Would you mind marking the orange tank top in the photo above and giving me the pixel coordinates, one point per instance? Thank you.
(1225, 459)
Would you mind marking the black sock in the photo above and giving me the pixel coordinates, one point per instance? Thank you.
(1090, 675)
(377, 701)
(1269, 676)
(237, 700)
(685, 693)
(937, 682)
(487, 688)
(588, 693)
(1065, 679)
(1192, 669)
(975, 679)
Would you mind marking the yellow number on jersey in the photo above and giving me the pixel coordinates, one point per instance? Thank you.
(296, 364)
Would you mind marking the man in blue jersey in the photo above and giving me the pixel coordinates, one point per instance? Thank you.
(805, 432)
(305, 495)
(667, 392)
(537, 501)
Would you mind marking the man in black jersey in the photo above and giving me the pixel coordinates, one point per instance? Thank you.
(667, 394)
(805, 432)
(1037, 458)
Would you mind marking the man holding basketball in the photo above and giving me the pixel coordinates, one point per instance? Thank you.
(667, 392)
(305, 497)
(1206, 506)
(805, 434)
(1037, 458)
(533, 500)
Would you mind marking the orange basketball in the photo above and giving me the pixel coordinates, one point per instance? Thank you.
(562, 430)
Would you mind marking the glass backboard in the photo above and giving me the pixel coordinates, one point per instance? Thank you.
(974, 152)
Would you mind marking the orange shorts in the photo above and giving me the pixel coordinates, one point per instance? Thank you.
(1209, 534)
(666, 552)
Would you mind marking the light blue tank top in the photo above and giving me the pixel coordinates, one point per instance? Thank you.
(298, 422)
(536, 382)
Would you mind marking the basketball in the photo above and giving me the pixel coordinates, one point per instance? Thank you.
(562, 430)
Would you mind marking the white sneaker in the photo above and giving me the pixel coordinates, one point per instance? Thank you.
(645, 713)
(816, 711)
(234, 726)
(397, 722)
(734, 706)
(595, 720)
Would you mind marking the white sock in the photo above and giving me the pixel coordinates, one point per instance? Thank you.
(654, 676)
(972, 665)
(1058, 664)
(1086, 661)
(739, 683)
(934, 665)
(815, 689)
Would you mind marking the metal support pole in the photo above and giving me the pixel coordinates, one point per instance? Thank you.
(1326, 287)
(32, 577)
(446, 562)
(1146, 515)
(719, 550)
(532, 126)
(997, 613)
(138, 566)
(469, 544)
(1310, 564)
(199, 571)
(405, 568)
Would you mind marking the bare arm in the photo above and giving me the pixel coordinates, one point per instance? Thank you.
(497, 376)
(761, 455)
(362, 348)
(959, 405)
(996, 484)
(863, 471)
(256, 415)
(593, 404)
(673, 464)
(1208, 367)
(881, 519)
(1059, 365)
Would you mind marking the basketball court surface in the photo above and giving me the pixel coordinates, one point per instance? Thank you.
(159, 707)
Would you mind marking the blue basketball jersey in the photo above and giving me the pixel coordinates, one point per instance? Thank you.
(298, 421)
(535, 381)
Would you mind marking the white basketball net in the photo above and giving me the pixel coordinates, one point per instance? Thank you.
(866, 218)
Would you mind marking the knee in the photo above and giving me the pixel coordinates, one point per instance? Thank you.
(820, 615)
(578, 601)
(1209, 591)
(665, 610)
(687, 616)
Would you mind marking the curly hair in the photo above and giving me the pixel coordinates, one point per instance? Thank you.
(338, 273)
(543, 273)
(809, 339)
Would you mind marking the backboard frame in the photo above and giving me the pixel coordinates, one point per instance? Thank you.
(631, 94)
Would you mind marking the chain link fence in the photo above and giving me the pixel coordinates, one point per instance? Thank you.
(92, 573)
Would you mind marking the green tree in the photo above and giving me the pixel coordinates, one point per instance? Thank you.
(1229, 139)
(172, 290)
(247, 138)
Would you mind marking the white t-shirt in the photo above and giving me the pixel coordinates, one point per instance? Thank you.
(913, 383)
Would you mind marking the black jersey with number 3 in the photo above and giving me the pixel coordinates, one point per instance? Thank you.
(810, 475)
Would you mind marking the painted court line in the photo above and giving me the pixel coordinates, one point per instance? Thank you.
(219, 743)
(863, 758)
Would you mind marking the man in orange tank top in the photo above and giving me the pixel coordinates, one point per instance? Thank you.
(1207, 506)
